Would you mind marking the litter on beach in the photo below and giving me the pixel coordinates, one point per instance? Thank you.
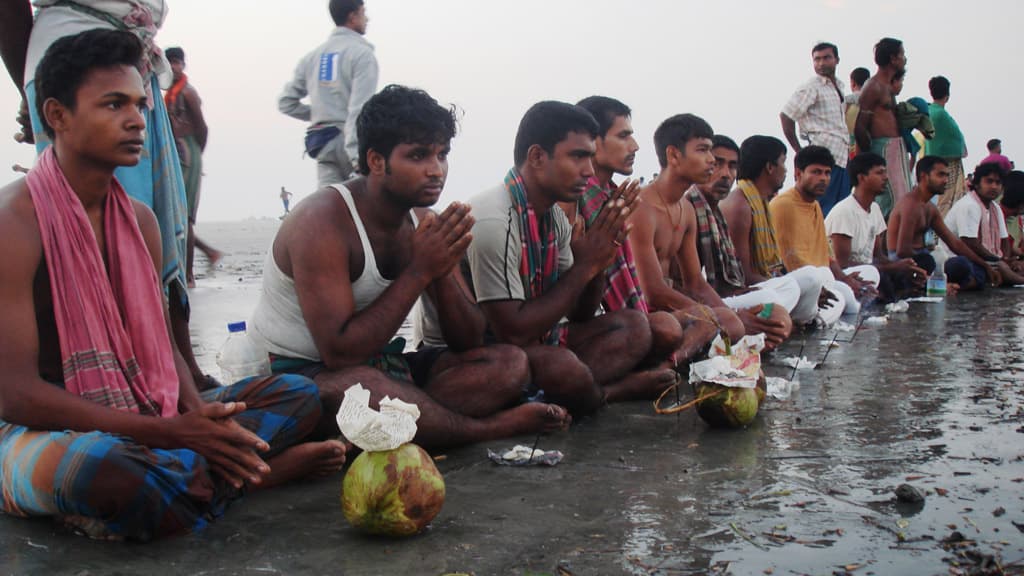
(928, 299)
(780, 388)
(521, 455)
(897, 307)
(801, 363)
(876, 321)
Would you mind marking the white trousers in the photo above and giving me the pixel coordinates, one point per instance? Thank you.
(797, 292)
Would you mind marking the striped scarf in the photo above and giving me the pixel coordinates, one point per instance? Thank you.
(623, 285)
(538, 266)
(765, 250)
(721, 267)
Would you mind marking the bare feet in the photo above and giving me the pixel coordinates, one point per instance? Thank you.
(308, 460)
(213, 257)
(529, 418)
(643, 385)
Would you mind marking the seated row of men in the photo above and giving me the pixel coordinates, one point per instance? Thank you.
(101, 423)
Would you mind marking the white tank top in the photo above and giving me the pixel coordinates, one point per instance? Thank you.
(277, 323)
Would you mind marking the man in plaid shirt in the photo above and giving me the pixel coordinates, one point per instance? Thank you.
(818, 106)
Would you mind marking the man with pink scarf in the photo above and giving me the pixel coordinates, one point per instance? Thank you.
(101, 424)
(978, 221)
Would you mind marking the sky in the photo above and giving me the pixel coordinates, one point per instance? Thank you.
(734, 63)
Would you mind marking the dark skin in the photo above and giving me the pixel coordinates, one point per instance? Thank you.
(608, 347)
(103, 131)
(868, 188)
(318, 246)
(988, 189)
(15, 29)
(914, 215)
(877, 117)
(778, 326)
(825, 62)
(664, 242)
(739, 218)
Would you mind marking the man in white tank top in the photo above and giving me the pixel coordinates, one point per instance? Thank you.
(349, 263)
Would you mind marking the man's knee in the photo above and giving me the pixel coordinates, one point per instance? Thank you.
(730, 323)
(509, 365)
(634, 325)
(666, 332)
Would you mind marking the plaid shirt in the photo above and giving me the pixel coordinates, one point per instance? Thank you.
(819, 108)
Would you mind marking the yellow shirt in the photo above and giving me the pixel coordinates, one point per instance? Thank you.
(799, 231)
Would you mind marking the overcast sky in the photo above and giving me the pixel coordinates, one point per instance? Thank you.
(733, 63)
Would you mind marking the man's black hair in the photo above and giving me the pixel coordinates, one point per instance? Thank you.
(939, 87)
(175, 53)
(677, 131)
(1013, 190)
(886, 50)
(862, 164)
(721, 141)
(605, 110)
(401, 115)
(756, 153)
(70, 59)
(928, 163)
(987, 169)
(340, 10)
(549, 122)
(825, 46)
(810, 155)
(860, 75)
(992, 144)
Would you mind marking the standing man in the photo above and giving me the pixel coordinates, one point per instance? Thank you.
(155, 180)
(995, 155)
(190, 131)
(819, 108)
(339, 76)
(877, 128)
(800, 230)
(286, 200)
(948, 143)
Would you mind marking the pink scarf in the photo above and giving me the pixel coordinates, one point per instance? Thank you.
(989, 226)
(114, 346)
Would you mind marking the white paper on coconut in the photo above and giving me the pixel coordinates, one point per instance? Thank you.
(373, 431)
(737, 370)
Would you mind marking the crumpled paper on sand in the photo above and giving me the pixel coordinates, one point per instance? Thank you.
(738, 370)
(375, 431)
(525, 456)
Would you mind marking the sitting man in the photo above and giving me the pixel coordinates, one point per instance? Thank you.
(615, 153)
(914, 215)
(800, 230)
(761, 173)
(856, 229)
(665, 229)
(101, 424)
(978, 221)
(718, 257)
(1012, 204)
(351, 260)
(539, 288)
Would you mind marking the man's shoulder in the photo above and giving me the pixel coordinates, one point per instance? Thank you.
(18, 214)
(492, 203)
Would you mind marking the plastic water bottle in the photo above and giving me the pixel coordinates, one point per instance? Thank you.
(936, 283)
(240, 357)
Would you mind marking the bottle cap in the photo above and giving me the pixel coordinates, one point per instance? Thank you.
(236, 327)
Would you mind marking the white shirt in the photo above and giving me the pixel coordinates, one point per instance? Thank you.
(964, 220)
(849, 218)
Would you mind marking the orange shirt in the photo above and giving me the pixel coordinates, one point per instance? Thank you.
(799, 231)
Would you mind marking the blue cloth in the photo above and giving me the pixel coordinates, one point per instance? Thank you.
(156, 181)
(141, 493)
(967, 274)
(838, 189)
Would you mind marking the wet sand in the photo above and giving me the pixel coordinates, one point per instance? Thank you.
(933, 399)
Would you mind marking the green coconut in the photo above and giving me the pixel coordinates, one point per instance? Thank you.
(727, 407)
(392, 493)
